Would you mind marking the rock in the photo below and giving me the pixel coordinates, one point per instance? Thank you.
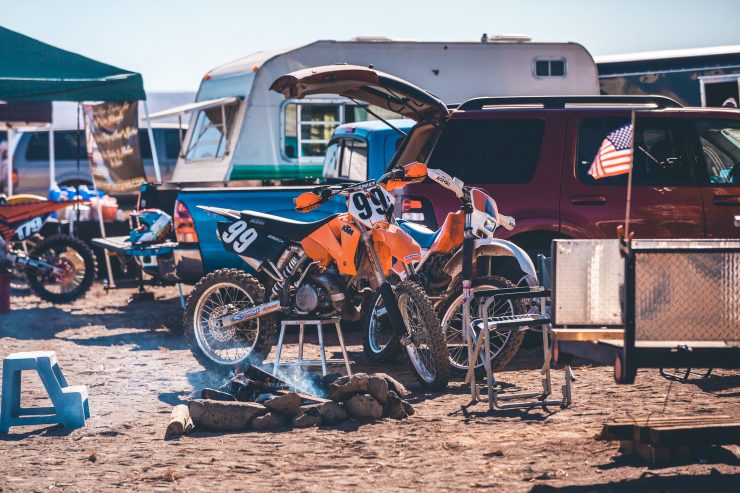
(270, 421)
(364, 407)
(345, 387)
(378, 388)
(394, 407)
(394, 385)
(216, 395)
(210, 415)
(288, 405)
(332, 413)
(305, 420)
(312, 409)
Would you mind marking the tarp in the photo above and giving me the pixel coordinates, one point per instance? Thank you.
(32, 71)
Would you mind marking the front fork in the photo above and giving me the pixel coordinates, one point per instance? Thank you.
(385, 289)
(467, 285)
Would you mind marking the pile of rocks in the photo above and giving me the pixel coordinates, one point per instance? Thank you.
(361, 397)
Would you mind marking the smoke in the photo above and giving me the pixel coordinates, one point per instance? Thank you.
(299, 378)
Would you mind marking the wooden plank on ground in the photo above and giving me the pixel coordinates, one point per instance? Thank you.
(707, 434)
(623, 429)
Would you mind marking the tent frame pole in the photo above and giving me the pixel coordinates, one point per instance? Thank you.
(52, 159)
(11, 137)
(155, 158)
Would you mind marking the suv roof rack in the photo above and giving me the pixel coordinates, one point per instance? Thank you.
(560, 102)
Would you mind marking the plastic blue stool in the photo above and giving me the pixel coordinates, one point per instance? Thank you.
(70, 403)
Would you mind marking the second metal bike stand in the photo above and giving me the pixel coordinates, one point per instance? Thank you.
(510, 323)
(323, 362)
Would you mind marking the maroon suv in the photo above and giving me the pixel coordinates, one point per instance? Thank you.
(532, 155)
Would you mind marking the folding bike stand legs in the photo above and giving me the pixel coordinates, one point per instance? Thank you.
(510, 323)
(322, 349)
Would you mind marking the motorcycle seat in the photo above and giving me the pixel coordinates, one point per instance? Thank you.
(288, 229)
(420, 233)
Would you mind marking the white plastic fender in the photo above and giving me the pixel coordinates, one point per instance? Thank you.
(495, 247)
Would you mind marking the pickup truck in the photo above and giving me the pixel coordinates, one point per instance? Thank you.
(356, 152)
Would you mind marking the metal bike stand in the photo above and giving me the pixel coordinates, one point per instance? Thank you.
(323, 362)
(510, 323)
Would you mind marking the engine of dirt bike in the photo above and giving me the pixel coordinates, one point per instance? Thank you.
(307, 290)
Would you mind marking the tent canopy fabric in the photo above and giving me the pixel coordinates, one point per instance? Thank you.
(32, 71)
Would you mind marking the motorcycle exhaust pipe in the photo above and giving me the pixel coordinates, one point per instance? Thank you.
(248, 314)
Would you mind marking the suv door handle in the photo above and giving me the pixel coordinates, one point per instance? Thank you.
(587, 200)
(726, 200)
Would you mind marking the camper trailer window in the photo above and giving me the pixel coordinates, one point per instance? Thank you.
(720, 142)
(210, 137)
(308, 128)
(549, 68)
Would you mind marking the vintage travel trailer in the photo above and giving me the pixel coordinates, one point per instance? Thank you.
(694, 77)
(240, 130)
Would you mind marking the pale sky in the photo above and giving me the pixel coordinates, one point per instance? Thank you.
(174, 43)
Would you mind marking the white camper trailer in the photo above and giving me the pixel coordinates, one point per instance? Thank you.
(240, 130)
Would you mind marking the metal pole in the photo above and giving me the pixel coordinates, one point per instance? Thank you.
(52, 159)
(629, 181)
(11, 135)
(155, 159)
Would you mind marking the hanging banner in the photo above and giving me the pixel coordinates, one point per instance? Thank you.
(112, 139)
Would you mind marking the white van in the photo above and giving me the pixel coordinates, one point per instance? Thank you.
(240, 130)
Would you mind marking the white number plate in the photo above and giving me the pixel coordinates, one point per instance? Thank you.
(239, 236)
(370, 206)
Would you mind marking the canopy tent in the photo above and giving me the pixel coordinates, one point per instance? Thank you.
(32, 71)
(35, 72)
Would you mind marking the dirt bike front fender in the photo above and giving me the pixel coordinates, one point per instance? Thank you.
(494, 247)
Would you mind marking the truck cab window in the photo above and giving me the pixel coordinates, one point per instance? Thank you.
(210, 136)
(346, 159)
(720, 144)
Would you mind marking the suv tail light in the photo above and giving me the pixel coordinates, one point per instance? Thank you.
(184, 225)
(418, 209)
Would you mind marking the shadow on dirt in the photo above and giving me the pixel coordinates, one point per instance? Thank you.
(53, 430)
(705, 455)
(161, 317)
(648, 482)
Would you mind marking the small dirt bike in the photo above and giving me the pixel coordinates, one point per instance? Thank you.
(59, 268)
(321, 269)
(499, 264)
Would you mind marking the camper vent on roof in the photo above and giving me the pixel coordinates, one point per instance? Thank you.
(370, 39)
(506, 38)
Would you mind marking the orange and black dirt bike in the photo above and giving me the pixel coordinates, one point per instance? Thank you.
(58, 268)
(315, 270)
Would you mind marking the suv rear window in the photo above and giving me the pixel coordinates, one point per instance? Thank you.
(489, 151)
(660, 152)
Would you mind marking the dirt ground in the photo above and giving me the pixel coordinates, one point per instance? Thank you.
(136, 367)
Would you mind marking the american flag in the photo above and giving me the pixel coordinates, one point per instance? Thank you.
(615, 154)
